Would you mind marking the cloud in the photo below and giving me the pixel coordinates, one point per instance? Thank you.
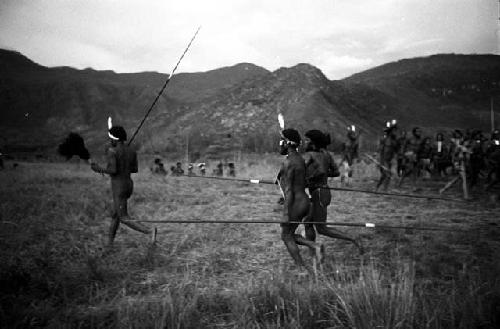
(339, 37)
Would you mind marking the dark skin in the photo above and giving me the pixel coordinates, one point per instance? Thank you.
(411, 151)
(320, 196)
(121, 163)
(387, 151)
(296, 204)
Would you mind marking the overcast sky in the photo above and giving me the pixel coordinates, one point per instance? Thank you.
(340, 37)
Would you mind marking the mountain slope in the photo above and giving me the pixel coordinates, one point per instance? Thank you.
(235, 107)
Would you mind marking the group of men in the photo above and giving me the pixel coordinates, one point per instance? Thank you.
(298, 172)
(177, 170)
(310, 172)
(466, 155)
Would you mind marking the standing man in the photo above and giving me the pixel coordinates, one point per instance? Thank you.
(400, 153)
(292, 181)
(121, 163)
(411, 150)
(319, 166)
(349, 154)
(387, 150)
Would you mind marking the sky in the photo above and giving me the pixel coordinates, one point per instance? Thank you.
(340, 37)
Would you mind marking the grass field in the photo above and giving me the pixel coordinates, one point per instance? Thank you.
(55, 271)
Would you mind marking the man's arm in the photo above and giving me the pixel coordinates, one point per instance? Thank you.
(289, 173)
(110, 166)
(333, 169)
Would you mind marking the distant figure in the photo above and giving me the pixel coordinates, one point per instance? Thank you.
(411, 149)
(460, 158)
(121, 163)
(401, 142)
(15, 165)
(493, 160)
(440, 156)
(219, 171)
(387, 150)
(232, 169)
(349, 154)
(178, 171)
(425, 156)
(158, 167)
(190, 170)
(202, 168)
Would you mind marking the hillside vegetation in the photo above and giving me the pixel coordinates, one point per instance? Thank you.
(41, 105)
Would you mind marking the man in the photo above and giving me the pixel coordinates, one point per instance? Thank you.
(292, 181)
(202, 168)
(411, 150)
(319, 166)
(219, 170)
(493, 160)
(441, 156)
(190, 170)
(387, 150)
(424, 157)
(178, 171)
(401, 142)
(349, 154)
(121, 163)
(232, 169)
(460, 159)
(158, 167)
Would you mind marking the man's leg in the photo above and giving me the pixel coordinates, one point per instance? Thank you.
(288, 237)
(115, 223)
(336, 234)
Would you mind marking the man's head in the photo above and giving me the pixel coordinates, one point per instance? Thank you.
(439, 137)
(314, 140)
(289, 138)
(178, 164)
(117, 134)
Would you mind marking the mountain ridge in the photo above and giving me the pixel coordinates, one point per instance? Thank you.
(437, 92)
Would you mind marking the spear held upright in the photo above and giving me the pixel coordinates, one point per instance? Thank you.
(164, 86)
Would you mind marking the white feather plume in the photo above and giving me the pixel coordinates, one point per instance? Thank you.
(353, 128)
(281, 120)
(110, 123)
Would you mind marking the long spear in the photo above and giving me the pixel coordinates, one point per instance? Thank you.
(164, 86)
(345, 189)
(366, 225)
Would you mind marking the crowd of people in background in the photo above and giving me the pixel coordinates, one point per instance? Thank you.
(177, 170)
(465, 156)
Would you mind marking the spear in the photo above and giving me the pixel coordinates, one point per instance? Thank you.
(163, 88)
(366, 225)
(345, 189)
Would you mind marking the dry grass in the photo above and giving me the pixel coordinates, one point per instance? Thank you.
(56, 273)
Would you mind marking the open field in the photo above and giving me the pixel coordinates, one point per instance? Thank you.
(55, 272)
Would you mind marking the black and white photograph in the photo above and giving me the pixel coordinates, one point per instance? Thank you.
(250, 164)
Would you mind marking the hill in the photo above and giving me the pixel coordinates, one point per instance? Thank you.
(234, 108)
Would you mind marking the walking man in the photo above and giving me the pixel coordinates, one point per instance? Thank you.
(121, 163)
(292, 181)
(319, 166)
